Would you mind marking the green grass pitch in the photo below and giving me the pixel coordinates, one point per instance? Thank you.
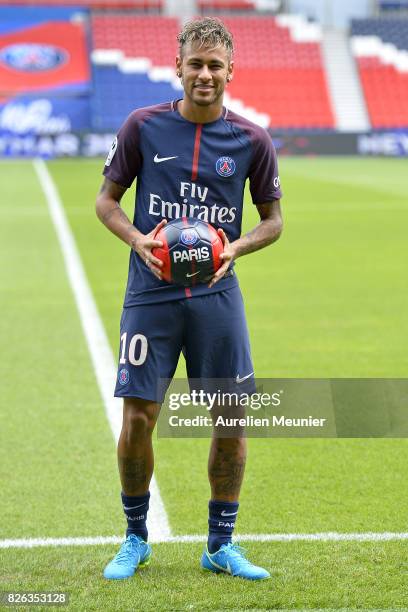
(328, 300)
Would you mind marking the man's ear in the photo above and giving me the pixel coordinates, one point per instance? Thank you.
(179, 63)
(230, 72)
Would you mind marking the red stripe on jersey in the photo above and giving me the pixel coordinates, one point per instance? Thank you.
(197, 142)
(188, 291)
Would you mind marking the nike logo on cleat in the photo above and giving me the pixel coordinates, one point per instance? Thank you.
(240, 380)
(158, 160)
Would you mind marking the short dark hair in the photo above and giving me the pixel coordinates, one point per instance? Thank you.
(208, 32)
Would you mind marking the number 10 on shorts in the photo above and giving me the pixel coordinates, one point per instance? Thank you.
(137, 351)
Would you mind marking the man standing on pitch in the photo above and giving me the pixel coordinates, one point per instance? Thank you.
(191, 157)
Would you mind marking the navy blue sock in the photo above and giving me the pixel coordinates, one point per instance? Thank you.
(221, 522)
(135, 508)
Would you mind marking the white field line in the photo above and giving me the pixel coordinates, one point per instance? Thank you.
(248, 537)
(97, 341)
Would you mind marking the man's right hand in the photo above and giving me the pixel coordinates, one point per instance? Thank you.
(143, 245)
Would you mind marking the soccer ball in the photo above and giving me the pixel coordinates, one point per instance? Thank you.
(190, 252)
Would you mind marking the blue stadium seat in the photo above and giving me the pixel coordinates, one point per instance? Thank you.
(117, 94)
(390, 30)
(393, 5)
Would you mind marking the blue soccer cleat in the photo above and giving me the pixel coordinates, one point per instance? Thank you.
(133, 553)
(230, 559)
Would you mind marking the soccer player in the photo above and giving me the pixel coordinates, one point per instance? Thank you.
(191, 157)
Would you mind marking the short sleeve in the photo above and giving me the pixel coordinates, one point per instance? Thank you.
(124, 160)
(264, 179)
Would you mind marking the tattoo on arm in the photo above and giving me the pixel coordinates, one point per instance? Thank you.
(267, 231)
(112, 190)
(258, 238)
(111, 214)
(112, 211)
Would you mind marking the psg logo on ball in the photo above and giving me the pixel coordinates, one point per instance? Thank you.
(190, 251)
(123, 376)
(225, 166)
(188, 237)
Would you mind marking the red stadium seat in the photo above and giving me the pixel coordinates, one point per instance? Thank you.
(144, 5)
(380, 46)
(145, 36)
(386, 93)
(278, 76)
(226, 5)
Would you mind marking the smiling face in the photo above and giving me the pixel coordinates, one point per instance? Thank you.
(204, 73)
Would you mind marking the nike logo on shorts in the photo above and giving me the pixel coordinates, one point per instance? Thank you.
(240, 380)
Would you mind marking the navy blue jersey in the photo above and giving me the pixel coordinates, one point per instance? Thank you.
(193, 170)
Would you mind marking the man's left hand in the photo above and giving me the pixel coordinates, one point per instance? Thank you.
(227, 257)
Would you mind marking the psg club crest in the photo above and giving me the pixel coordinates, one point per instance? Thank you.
(33, 57)
(188, 237)
(123, 376)
(225, 166)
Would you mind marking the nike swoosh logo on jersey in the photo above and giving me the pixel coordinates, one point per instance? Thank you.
(223, 513)
(132, 507)
(158, 160)
(189, 275)
(240, 380)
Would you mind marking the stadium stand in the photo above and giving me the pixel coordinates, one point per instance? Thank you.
(131, 65)
(225, 5)
(142, 5)
(280, 77)
(144, 36)
(119, 93)
(380, 46)
(392, 5)
(238, 6)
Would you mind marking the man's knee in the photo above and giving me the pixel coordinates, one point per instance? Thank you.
(139, 417)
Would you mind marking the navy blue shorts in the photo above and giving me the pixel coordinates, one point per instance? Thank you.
(210, 330)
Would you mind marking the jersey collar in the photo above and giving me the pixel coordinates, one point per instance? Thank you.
(175, 102)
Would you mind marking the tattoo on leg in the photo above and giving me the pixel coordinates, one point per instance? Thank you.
(226, 472)
(133, 472)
